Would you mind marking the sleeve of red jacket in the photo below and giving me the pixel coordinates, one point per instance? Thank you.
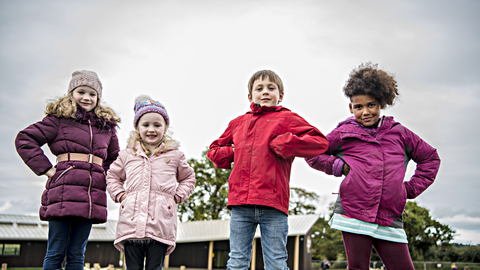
(30, 140)
(428, 164)
(302, 140)
(324, 162)
(221, 150)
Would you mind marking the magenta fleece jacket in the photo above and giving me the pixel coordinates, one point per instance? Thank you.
(374, 190)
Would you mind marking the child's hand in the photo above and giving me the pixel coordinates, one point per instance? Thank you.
(346, 169)
(124, 196)
(50, 173)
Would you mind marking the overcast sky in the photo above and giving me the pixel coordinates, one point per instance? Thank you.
(197, 56)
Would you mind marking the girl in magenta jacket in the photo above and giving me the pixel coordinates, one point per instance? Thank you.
(81, 133)
(373, 151)
(149, 178)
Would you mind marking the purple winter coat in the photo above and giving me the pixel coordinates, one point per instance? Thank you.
(77, 190)
(374, 190)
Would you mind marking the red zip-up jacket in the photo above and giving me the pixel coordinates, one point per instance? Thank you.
(265, 140)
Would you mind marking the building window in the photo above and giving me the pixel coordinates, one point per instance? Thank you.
(10, 249)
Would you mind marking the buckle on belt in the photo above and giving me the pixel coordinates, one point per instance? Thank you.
(90, 158)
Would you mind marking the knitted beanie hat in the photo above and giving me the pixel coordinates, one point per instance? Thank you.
(85, 78)
(144, 104)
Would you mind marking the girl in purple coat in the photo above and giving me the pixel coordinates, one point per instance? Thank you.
(81, 133)
(373, 151)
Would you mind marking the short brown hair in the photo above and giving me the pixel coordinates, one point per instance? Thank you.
(368, 79)
(272, 76)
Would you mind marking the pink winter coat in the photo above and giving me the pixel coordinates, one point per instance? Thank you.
(151, 184)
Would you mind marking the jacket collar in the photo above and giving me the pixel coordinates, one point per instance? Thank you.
(85, 117)
(256, 108)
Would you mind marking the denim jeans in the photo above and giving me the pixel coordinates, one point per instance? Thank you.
(153, 251)
(69, 236)
(274, 233)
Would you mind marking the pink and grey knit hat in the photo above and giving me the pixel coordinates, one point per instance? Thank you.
(85, 78)
(144, 104)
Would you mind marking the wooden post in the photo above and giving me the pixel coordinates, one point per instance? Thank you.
(96, 266)
(210, 256)
(87, 265)
(166, 262)
(182, 267)
(254, 252)
(296, 253)
(4, 266)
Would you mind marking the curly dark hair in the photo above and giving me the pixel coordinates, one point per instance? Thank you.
(368, 79)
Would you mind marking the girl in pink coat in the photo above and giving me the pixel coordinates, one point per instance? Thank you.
(373, 151)
(149, 178)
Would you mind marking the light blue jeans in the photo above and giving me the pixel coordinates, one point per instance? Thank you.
(68, 237)
(274, 233)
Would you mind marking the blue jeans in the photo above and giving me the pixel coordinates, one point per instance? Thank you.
(69, 236)
(274, 233)
(153, 251)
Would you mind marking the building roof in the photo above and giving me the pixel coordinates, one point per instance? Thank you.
(23, 227)
(211, 230)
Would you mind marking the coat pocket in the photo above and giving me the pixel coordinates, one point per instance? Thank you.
(128, 207)
(63, 173)
(164, 207)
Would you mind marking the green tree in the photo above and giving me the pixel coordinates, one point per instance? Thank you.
(209, 198)
(424, 233)
(302, 202)
(326, 242)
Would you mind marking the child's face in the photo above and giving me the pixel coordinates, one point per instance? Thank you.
(151, 127)
(366, 109)
(86, 97)
(265, 93)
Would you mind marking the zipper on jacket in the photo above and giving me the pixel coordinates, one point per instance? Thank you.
(68, 169)
(90, 173)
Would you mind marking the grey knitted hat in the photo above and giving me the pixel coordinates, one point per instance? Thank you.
(85, 78)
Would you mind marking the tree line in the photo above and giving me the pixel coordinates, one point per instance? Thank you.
(428, 239)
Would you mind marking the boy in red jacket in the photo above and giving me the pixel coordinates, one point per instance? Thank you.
(262, 144)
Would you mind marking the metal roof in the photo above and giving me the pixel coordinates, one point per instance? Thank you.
(214, 230)
(23, 227)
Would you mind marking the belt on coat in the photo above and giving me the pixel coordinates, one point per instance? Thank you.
(89, 158)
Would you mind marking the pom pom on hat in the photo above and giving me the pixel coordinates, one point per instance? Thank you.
(85, 78)
(144, 104)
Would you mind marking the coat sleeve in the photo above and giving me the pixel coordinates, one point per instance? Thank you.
(186, 180)
(221, 150)
(30, 140)
(112, 151)
(324, 162)
(428, 164)
(302, 140)
(116, 177)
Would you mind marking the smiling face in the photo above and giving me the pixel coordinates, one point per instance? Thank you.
(366, 109)
(151, 127)
(265, 92)
(85, 97)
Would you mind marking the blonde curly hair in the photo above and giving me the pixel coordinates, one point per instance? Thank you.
(66, 107)
(167, 140)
